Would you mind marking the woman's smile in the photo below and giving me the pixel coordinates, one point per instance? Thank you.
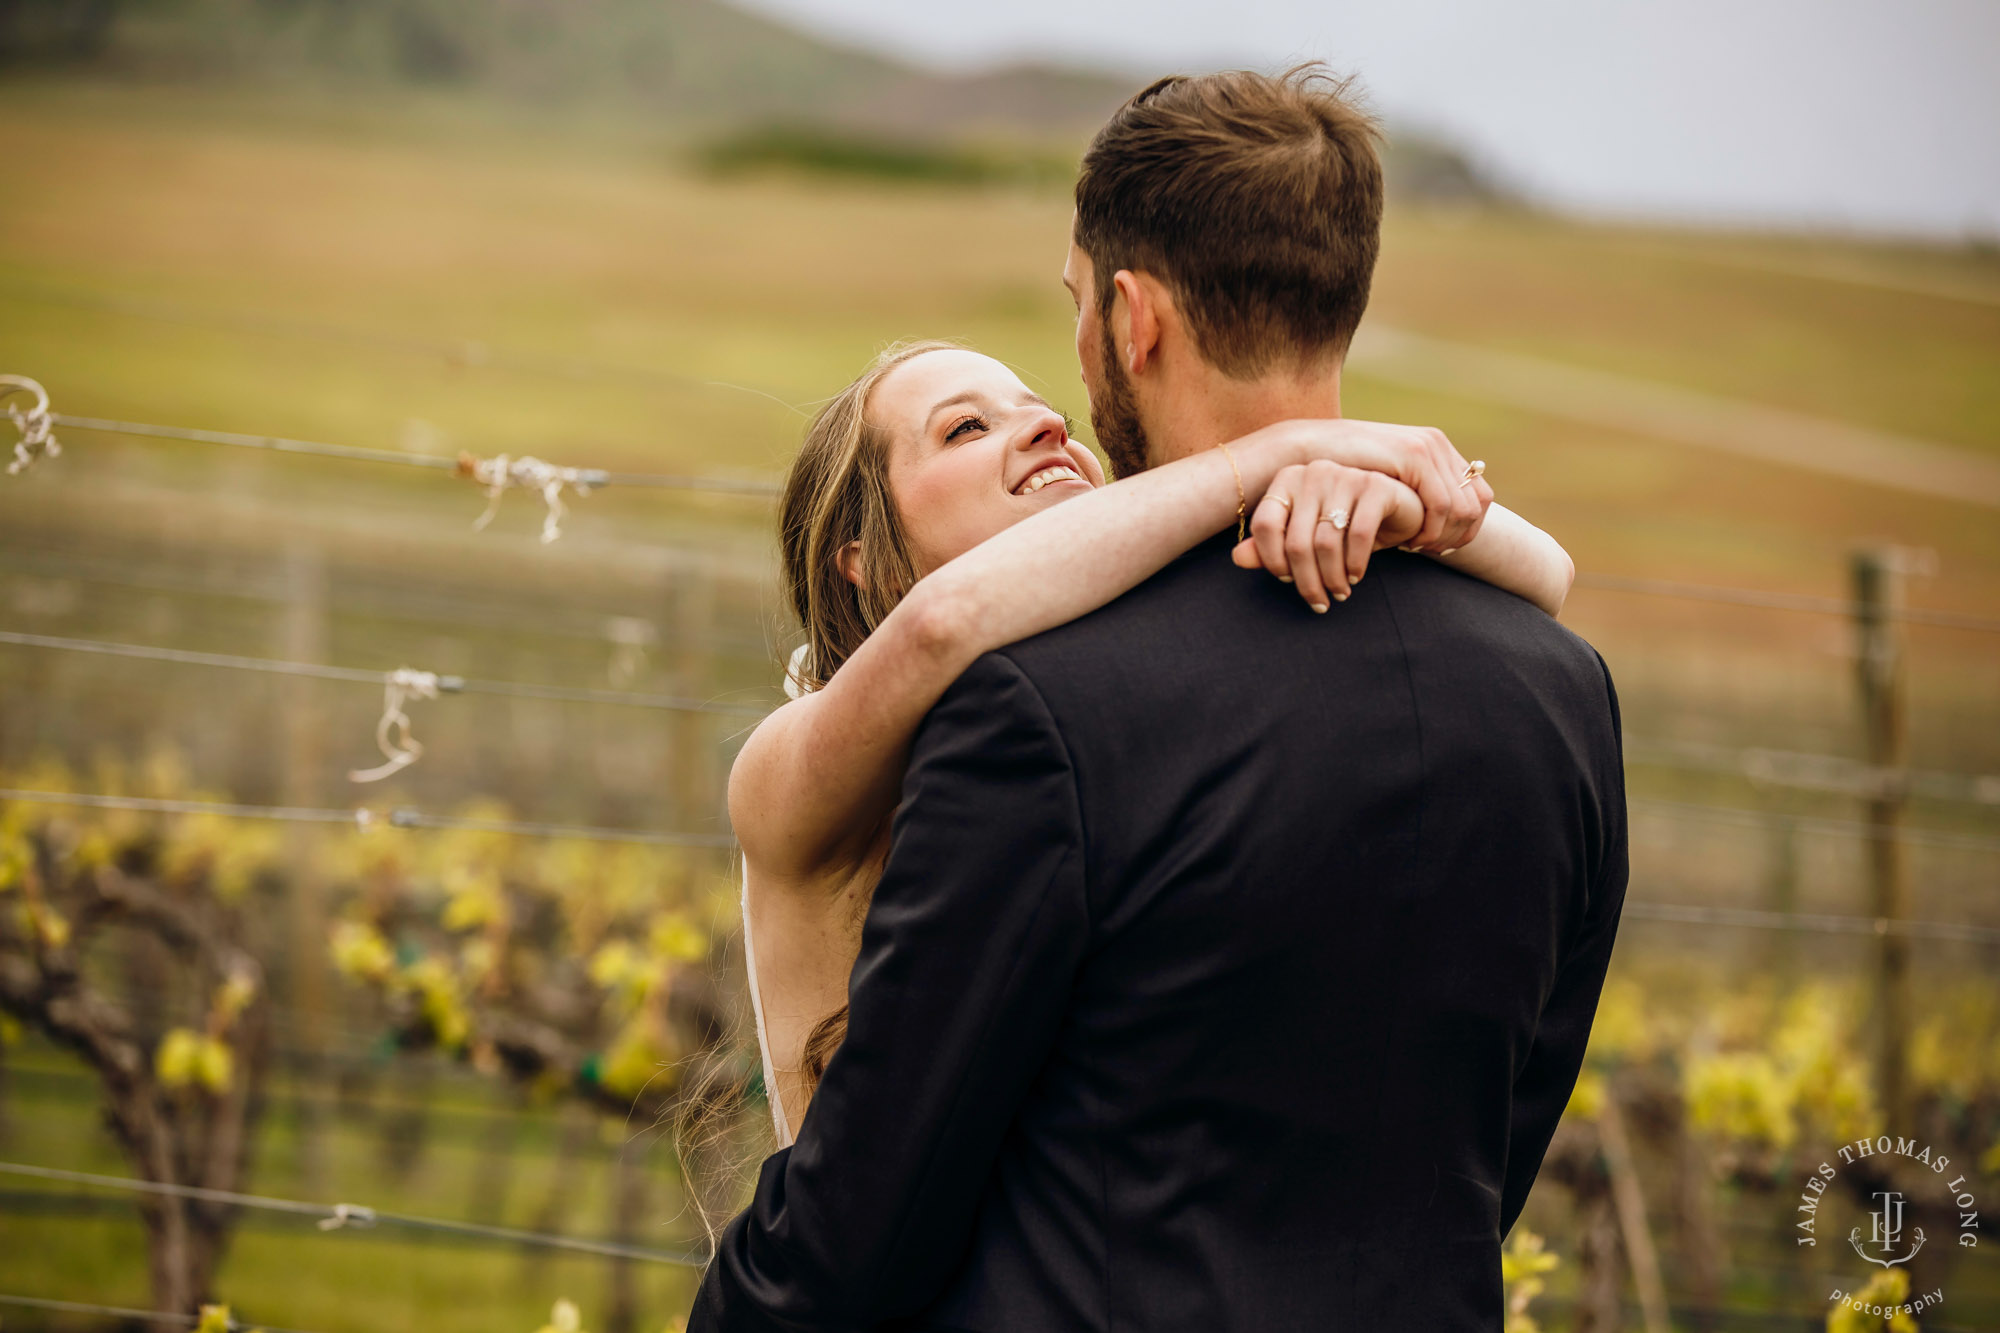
(1051, 474)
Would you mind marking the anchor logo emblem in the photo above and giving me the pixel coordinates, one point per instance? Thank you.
(1887, 1233)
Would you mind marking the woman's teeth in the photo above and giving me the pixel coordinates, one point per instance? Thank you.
(1047, 475)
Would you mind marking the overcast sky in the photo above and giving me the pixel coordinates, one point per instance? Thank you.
(1872, 115)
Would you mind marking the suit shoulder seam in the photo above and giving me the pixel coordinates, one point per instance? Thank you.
(1069, 764)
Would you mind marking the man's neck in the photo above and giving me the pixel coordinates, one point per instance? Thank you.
(1221, 409)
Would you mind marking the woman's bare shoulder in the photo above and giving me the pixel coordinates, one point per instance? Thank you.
(758, 776)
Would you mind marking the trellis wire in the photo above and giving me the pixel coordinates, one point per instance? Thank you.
(1763, 819)
(1778, 601)
(401, 817)
(345, 1216)
(447, 684)
(81, 1087)
(1796, 769)
(127, 1312)
(592, 477)
(398, 603)
(1810, 922)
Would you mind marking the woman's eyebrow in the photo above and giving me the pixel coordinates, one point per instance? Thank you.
(971, 396)
(953, 401)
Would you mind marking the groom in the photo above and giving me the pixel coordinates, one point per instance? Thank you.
(1232, 964)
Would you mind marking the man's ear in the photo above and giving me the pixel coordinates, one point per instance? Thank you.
(848, 559)
(1146, 308)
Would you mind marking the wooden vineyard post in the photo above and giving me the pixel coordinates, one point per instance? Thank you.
(1784, 895)
(305, 634)
(1878, 598)
(696, 754)
(628, 1209)
(1629, 1199)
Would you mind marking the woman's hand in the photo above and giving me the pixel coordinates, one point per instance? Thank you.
(1420, 457)
(1318, 524)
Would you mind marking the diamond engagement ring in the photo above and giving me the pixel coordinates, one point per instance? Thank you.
(1338, 518)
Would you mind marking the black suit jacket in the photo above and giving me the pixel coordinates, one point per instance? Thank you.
(1230, 971)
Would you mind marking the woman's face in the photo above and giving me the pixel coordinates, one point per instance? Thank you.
(972, 451)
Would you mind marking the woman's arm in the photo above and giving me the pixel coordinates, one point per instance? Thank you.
(1514, 554)
(816, 778)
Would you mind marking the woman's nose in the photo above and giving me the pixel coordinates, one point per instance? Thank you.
(1050, 430)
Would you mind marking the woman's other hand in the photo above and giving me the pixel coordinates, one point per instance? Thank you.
(1318, 524)
(1421, 457)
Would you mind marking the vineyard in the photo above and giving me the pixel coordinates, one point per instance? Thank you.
(368, 941)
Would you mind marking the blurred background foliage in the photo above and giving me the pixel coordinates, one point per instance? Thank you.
(651, 237)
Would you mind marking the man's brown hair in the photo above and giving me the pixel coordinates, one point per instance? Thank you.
(1257, 200)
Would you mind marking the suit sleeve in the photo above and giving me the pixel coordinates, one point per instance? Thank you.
(971, 946)
(1542, 1089)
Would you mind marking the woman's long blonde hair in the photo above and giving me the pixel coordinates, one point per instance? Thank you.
(836, 494)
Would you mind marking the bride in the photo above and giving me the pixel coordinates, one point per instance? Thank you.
(925, 523)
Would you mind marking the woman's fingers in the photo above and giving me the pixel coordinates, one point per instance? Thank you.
(1370, 508)
(1453, 507)
(1330, 528)
(1469, 500)
(1300, 554)
(1480, 496)
(1273, 516)
(1318, 525)
(1436, 485)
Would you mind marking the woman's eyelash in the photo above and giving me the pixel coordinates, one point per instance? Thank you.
(974, 422)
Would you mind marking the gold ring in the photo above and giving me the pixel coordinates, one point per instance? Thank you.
(1284, 500)
(1476, 468)
(1338, 518)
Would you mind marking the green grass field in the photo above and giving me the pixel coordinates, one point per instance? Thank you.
(406, 275)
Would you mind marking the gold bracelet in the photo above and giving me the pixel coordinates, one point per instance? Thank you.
(1242, 516)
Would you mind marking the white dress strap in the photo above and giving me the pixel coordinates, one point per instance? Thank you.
(779, 1122)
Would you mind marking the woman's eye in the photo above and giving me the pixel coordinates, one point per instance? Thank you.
(970, 423)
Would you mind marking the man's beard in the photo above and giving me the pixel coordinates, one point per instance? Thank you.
(1114, 415)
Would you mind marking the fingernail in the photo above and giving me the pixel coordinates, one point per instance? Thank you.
(1447, 550)
(1284, 578)
(1319, 607)
(1355, 579)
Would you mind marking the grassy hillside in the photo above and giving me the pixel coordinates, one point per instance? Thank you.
(695, 61)
(752, 91)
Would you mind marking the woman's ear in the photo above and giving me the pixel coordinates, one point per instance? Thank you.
(848, 560)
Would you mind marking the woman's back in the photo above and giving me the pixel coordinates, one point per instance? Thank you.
(799, 944)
